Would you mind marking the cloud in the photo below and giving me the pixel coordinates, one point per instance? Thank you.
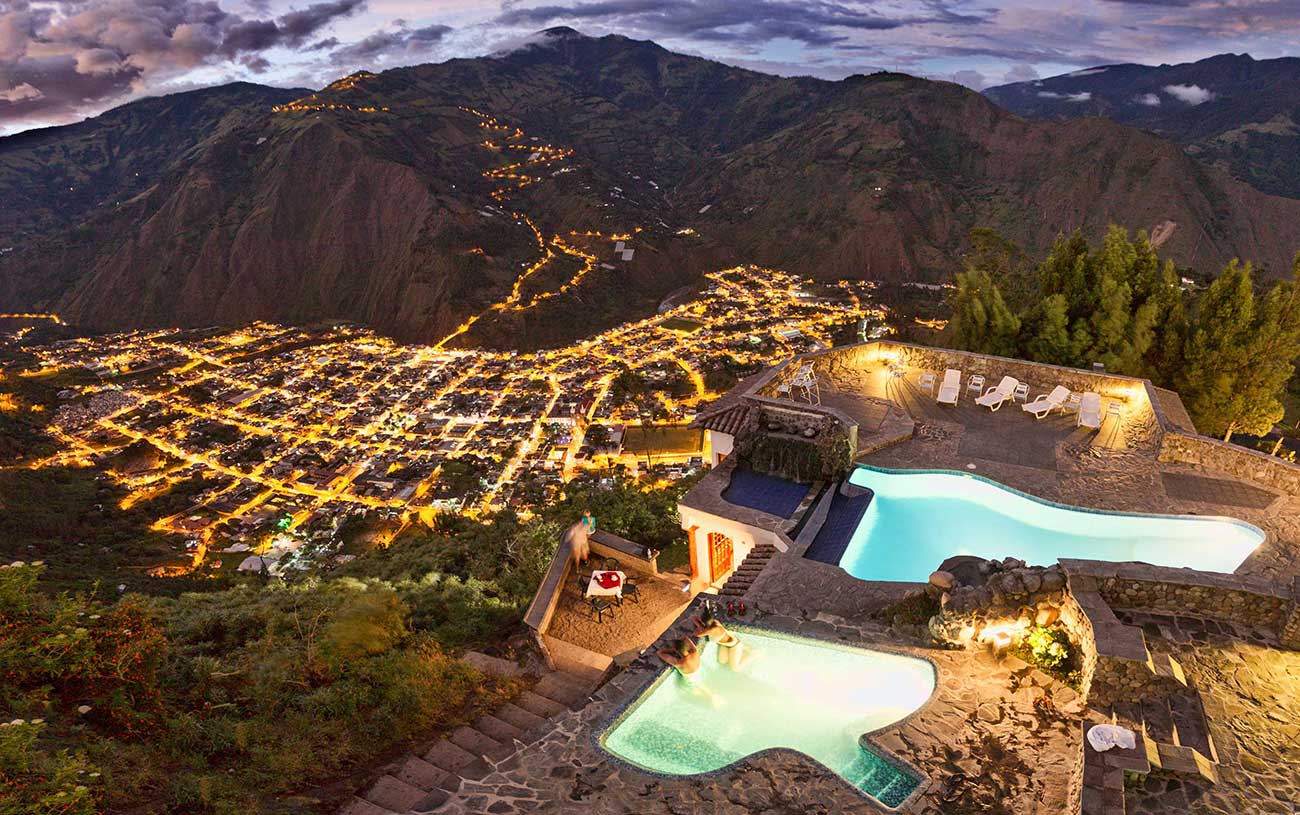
(1151, 100)
(383, 45)
(1081, 96)
(1191, 94)
(59, 58)
(971, 79)
(749, 22)
(1024, 72)
(20, 93)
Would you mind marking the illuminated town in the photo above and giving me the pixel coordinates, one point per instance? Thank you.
(292, 430)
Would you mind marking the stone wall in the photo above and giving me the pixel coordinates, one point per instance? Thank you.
(1013, 598)
(1252, 465)
(1257, 602)
(801, 443)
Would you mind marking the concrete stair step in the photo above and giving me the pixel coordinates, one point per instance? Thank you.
(449, 756)
(564, 689)
(420, 773)
(1165, 666)
(498, 729)
(360, 806)
(491, 665)
(539, 705)
(393, 794)
(1159, 724)
(472, 741)
(432, 801)
(1190, 726)
(520, 718)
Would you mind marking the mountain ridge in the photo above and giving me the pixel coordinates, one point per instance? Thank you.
(372, 199)
(1231, 111)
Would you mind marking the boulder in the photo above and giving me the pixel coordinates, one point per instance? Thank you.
(942, 580)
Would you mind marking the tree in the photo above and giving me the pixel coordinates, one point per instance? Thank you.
(1217, 350)
(1270, 359)
(1050, 341)
(981, 320)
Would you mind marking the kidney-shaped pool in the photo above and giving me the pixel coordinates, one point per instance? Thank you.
(814, 697)
(917, 519)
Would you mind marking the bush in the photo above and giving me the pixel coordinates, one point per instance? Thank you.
(214, 703)
(1048, 648)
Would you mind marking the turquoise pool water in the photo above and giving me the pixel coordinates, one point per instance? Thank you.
(794, 692)
(918, 519)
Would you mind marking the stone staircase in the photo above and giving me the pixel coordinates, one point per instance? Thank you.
(419, 784)
(1172, 735)
(748, 570)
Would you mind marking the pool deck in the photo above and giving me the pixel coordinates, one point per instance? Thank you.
(980, 743)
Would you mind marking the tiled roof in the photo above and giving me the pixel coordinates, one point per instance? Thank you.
(727, 413)
(728, 420)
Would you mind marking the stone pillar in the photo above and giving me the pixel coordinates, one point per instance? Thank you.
(1291, 626)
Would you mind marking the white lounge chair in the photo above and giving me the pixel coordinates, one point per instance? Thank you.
(999, 393)
(1045, 403)
(1090, 411)
(926, 381)
(950, 388)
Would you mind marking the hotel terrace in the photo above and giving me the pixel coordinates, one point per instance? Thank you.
(938, 712)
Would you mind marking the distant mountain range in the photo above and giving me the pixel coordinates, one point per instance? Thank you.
(367, 202)
(1230, 111)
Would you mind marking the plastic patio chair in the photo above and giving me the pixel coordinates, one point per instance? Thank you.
(630, 592)
(599, 607)
(976, 383)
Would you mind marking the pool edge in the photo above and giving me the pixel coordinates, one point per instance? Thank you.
(634, 696)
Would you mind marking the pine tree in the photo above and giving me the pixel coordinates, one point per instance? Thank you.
(1270, 359)
(1217, 350)
(981, 320)
(1050, 341)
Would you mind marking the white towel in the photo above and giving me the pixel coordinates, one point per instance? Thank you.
(1102, 737)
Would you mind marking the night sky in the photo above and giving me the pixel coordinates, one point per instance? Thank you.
(63, 60)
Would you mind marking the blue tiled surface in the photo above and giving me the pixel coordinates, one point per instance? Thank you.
(764, 492)
(841, 522)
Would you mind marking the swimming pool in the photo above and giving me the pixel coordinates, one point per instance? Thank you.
(917, 519)
(814, 697)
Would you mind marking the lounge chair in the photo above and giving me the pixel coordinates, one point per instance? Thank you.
(927, 381)
(950, 389)
(1090, 411)
(1045, 403)
(999, 393)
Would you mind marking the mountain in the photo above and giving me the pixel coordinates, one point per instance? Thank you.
(1231, 111)
(55, 176)
(377, 200)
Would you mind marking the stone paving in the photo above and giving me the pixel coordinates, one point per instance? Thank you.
(1252, 698)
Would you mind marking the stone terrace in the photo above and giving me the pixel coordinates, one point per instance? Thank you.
(985, 743)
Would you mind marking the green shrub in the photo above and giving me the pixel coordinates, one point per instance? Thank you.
(1048, 648)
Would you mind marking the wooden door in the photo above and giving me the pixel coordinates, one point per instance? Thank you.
(720, 552)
